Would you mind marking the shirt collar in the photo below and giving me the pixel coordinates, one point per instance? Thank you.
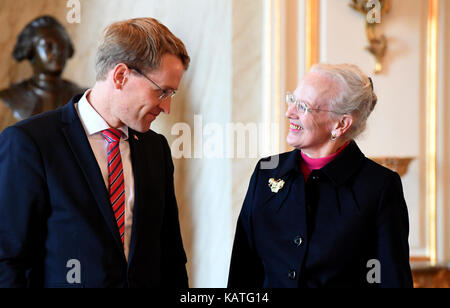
(319, 163)
(92, 120)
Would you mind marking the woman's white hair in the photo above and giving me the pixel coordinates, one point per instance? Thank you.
(356, 95)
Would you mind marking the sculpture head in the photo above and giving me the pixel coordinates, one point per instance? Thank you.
(46, 44)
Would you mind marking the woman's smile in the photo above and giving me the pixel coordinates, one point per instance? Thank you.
(295, 128)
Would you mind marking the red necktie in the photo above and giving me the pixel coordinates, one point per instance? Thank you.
(115, 177)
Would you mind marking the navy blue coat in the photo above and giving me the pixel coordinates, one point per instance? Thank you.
(55, 208)
(325, 232)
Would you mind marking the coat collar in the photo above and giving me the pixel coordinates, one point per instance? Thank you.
(338, 170)
(69, 113)
(70, 116)
(346, 164)
(290, 164)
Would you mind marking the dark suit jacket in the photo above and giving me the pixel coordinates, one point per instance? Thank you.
(55, 208)
(325, 232)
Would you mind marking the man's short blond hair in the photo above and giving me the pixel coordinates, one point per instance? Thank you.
(138, 43)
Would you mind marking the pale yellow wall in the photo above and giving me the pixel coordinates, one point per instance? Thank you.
(446, 144)
(397, 126)
(443, 225)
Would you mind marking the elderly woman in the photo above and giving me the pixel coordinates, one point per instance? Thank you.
(326, 216)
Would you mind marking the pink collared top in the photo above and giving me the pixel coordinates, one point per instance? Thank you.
(309, 164)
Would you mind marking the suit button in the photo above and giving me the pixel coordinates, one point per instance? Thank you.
(315, 177)
(298, 240)
(292, 274)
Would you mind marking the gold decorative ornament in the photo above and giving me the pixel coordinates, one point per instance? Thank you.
(397, 164)
(276, 185)
(374, 10)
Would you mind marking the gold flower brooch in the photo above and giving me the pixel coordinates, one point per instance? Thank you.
(276, 185)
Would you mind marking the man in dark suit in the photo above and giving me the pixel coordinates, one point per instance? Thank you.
(87, 195)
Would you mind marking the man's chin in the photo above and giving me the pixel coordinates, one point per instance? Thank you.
(144, 125)
(144, 128)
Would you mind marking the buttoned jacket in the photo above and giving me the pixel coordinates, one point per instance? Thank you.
(346, 226)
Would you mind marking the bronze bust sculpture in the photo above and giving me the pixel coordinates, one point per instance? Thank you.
(46, 44)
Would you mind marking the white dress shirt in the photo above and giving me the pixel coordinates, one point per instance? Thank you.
(93, 124)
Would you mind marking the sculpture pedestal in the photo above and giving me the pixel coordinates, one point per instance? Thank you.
(397, 164)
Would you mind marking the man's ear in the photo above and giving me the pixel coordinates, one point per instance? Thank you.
(120, 75)
(344, 124)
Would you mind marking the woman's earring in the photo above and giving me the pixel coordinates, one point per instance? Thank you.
(333, 136)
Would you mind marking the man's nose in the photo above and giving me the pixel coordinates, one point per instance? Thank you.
(165, 105)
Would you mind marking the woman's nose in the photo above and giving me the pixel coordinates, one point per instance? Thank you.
(291, 112)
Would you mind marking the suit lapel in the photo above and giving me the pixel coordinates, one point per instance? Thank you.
(149, 178)
(136, 151)
(79, 144)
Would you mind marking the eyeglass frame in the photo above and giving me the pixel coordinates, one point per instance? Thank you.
(302, 107)
(165, 93)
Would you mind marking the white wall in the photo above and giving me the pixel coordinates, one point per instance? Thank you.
(203, 186)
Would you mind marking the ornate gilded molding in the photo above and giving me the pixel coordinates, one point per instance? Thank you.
(397, 164)
(312, 33)
(374, 11)
(431, 124)
(431, 276)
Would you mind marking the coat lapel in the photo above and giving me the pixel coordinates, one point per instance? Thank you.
(79, 144)
(288, 168)
(289, 204)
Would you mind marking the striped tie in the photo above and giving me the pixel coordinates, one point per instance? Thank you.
(115, 177)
